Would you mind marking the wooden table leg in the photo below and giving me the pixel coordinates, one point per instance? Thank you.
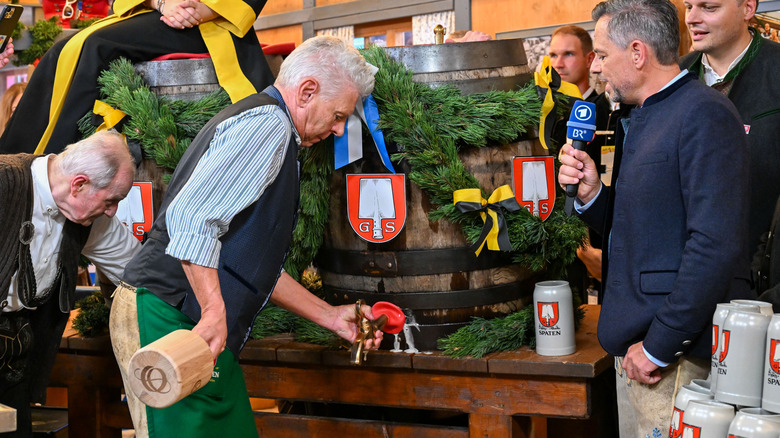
(85, 412)
(494, 426)
(503, 426)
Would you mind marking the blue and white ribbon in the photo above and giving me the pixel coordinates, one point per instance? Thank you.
(349, 146)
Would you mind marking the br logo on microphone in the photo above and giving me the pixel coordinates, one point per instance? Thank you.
(582, 122)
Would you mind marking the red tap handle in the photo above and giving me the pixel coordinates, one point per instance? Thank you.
(395, 317)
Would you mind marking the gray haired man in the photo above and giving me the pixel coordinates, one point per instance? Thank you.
(54, 208)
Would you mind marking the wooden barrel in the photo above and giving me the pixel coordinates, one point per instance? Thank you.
(429, 269)
(182, 79)
(179, 79)
(473, 67)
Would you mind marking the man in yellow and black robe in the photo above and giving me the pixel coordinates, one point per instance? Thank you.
(64, 85)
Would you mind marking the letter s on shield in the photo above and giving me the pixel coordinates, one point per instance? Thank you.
(376, 205)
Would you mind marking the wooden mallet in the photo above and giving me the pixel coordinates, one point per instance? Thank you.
(170, 368)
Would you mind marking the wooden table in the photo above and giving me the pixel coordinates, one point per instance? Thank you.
(496, 392)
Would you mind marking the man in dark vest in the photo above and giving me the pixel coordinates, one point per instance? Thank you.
(54, 208)
(734, 59)
(215, 252)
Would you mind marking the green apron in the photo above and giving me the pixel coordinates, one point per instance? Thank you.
(220, 408)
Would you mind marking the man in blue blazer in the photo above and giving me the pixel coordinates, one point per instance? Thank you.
(674, 219)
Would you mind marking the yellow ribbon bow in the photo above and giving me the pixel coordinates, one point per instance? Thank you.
(111, 116)
(494, 232)
(547, 78)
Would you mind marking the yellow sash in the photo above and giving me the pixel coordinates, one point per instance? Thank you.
(66, 66)
(543, 79)
(216, 36)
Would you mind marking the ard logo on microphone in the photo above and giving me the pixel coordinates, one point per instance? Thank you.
(534, 184)
(376, 205)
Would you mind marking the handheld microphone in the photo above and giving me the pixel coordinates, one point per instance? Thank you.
(581, 128)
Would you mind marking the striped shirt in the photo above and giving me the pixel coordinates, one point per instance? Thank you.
(243, 159)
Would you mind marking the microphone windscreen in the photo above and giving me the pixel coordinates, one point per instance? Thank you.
(582, 121)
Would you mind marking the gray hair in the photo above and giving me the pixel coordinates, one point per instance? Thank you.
(98, 156)
(654, 22)
(332, 62)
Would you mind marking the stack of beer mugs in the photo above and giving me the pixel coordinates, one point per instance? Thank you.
(742, 396)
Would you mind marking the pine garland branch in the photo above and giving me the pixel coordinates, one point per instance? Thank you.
(92, 319)
(430, 126)
(483, 336)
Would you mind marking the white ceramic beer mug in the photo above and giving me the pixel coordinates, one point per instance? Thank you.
(763, 306)
(755, 423)
(685, 394)
(770, 398)
(707, 419)
(554, 318)
(718, 318)
(741, 358)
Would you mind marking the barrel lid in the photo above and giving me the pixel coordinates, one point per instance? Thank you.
(436, 58)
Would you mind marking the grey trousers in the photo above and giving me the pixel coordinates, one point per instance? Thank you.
(645, 411)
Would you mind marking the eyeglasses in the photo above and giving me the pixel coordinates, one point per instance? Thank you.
(69, 12)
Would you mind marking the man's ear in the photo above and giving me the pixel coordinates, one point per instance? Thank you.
(749, 9)
(308, 88)
(590, 57)
(639, 53)
(78, 184)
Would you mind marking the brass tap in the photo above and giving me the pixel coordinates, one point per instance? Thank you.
(438, 34)
(367, 329)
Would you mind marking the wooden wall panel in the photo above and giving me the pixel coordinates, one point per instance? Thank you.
(281, 35)
(331, 2)
(491, 16)
(279, 6)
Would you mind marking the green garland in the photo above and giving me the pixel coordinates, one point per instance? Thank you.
(432, 125)
(43, 34)
(429, 126)
(163, 127)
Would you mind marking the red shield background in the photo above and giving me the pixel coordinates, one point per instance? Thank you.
(772, 355)
(542, 310)
(372, 220)
(691, 431)
(136, 210)
(533, 181)
(724, 347)
(715, 331)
